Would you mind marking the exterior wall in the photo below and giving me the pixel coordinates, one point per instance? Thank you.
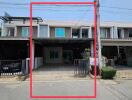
(129, 56)
(126, 33)
(122, 33)
(38, 62)
(68, 32)
(52, 32)
(35, 31)
(19, 31)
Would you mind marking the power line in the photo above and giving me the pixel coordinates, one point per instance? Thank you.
(51, 8)
(116, 7)
(9, 3)
(68, 10)
(27, 4)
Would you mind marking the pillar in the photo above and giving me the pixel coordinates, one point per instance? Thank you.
(91, 49)
(33, 51)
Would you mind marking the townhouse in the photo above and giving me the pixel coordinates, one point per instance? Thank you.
(60, 42)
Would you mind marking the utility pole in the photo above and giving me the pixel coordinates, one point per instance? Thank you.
(98, 33)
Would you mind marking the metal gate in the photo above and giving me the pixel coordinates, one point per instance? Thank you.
(80, 67)
(12, 67)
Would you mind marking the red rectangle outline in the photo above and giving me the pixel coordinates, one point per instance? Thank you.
(95, 30)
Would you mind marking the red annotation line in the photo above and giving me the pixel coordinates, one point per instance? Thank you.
(95, 34)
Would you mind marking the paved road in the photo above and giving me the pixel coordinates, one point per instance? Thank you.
(106, 90)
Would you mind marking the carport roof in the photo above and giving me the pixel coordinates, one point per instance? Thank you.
(13, 38)
(62, 40)
(116, 42)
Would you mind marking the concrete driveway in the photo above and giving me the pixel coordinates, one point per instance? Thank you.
(106, 89)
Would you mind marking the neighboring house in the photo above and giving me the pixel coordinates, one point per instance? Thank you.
(60, 42)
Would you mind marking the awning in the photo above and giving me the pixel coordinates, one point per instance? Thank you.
(62, 40)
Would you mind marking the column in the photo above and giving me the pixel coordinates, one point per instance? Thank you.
(111, 32)
(81, 32)
(91, 49)
(115, 32)
(33, 51)
(90, 33)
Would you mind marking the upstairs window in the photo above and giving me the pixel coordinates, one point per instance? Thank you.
(75, 33)
(103, 33)
(85, 33)
(10, 31)
(119, 33)
(25, 31)
(130, 32)
(59, 32)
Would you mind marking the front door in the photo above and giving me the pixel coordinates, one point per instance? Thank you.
(67, 56)
(53, 55)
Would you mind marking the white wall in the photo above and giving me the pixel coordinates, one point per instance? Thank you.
(33, 51)
(38, 62)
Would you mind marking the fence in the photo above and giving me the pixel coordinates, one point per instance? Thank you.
(38, 62)
(81, 67)
(12, 67)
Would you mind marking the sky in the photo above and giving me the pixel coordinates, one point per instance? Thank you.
(110, 10)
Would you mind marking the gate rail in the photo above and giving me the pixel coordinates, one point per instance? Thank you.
(81, 67)
(12, 67)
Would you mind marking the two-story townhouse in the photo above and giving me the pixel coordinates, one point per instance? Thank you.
(60, 42)
(116, 41)
(14, 40)
(54, 42)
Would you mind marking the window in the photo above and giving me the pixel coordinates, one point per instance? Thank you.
(75, 33)
(10, 31)
(59, 32)
(85, 33)
(25, 31)
(130, 32)
(103, 33)
(54, 55)
(119, 33)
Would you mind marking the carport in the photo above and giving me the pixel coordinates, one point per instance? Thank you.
(13, 54)
(60, 51)
(58, 55)
(117, 51)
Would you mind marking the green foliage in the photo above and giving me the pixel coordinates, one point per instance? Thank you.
(108, 72)
(87, 51)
